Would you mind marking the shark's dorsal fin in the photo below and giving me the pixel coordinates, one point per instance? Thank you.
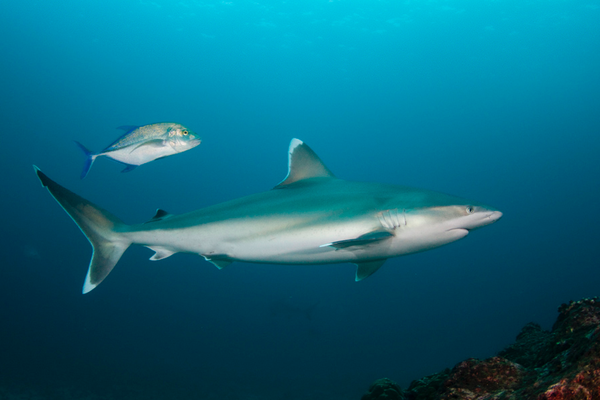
(303, 164)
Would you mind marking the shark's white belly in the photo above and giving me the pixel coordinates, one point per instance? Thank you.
(287, 241)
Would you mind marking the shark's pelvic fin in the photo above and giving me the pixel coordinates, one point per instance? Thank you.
(161, 252)
(303, 164)
(367, 268)
(218, 260)
(99, 226)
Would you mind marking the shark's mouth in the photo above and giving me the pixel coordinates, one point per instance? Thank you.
(459, 232)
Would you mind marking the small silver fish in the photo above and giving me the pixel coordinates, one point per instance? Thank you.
(142, 144)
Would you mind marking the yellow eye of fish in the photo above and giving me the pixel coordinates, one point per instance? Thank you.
(185, 133)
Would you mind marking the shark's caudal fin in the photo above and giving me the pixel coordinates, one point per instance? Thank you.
(99, 226)
(89, 159)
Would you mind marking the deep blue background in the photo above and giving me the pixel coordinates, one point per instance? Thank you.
(497, 101)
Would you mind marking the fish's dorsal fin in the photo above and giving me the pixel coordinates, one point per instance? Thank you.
(303, 164)
(160, 215)
(127, 128)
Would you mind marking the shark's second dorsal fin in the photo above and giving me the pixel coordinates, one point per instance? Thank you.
(160, 215)
(303, 164)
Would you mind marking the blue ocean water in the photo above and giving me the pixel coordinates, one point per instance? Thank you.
(496, 101)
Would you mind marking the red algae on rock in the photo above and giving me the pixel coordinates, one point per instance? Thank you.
(561, 364)
(472, 378)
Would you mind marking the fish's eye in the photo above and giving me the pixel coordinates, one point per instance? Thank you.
(185, 132)
(470, 209)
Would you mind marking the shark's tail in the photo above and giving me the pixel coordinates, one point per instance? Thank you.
(89, 159)
(102, 229)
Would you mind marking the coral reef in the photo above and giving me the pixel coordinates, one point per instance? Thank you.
(384, 389)
(561, 364)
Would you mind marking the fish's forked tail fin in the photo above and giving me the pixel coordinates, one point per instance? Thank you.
(89, 159)
(102, 229)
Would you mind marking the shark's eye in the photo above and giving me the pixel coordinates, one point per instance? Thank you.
(185, 132)
(470, 209)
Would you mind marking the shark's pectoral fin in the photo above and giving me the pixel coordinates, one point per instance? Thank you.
(367, 268)
(161, 252)
(159, 216)
(218, 260)
(363, 240)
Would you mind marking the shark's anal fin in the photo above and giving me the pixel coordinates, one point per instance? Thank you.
(161, 252)
(159, 216)
(218, 260)
(367, 268)
(303, 164)
(364, 240)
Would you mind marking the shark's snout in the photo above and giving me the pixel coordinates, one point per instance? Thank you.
(489, 218)
(479, 219)
(494, 216)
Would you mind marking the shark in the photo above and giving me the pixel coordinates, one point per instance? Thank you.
(311, 217)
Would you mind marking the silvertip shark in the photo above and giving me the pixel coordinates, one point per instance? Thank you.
(311, 217)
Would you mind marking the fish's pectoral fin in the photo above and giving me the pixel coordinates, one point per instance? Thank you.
(363, 240)
(218, 260)
(161, 252)
(129, 168)
(155, 143)
(367, 268)
(159, 216)
(303, 163)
